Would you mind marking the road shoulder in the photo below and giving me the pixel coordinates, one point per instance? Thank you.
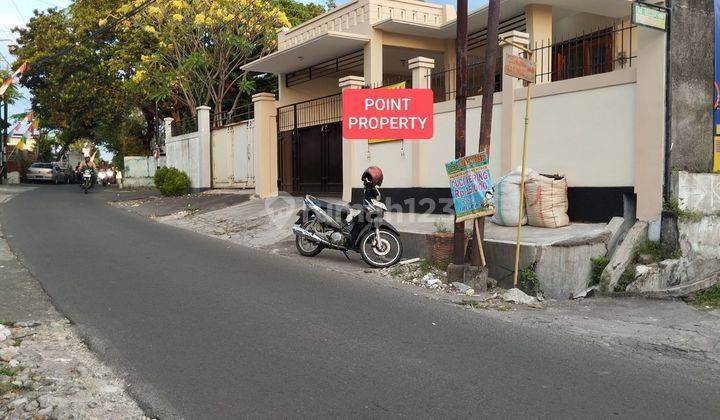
(46, 370)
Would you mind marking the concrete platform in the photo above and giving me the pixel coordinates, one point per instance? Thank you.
(561, 256)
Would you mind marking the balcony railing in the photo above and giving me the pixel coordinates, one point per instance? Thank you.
(443, 82)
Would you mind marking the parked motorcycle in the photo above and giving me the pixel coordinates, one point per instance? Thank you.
(87, 181)
(324, 225)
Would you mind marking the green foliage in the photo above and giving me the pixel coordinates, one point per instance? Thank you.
(6, 387)
(8, 371)
(528, 280)
(708, 298)
(598, 265)
(656, 250)
(172, 182)
(627, 277)
(673, 207)
(441, 227)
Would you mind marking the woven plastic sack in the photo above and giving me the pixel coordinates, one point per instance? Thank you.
(546, 201)
(507, 198)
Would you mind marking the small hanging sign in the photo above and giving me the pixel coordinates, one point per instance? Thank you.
(649, 15)
(520, 68)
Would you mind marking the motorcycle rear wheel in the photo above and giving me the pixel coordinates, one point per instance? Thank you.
(305, 247)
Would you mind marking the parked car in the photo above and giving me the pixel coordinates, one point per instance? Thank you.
(47, 172)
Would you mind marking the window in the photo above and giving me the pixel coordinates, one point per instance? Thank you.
(583, 56)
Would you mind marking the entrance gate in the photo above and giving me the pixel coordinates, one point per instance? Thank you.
(310, 147)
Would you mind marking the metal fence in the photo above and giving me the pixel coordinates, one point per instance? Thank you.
(325, 110)
(600, 51)
(239, 114)
(443, 82)
(184, 126)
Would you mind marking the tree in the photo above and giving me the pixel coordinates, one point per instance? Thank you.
(196, 48)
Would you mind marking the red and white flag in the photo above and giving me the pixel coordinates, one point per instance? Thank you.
(19, 72)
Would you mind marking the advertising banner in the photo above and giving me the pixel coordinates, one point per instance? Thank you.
(716, 125)
(401, 85)
(387, 113)
(471, 187)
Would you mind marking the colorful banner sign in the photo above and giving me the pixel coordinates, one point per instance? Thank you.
(471, 187)
(716, 125)
(387, 113)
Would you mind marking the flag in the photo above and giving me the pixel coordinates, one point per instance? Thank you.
(19, 72)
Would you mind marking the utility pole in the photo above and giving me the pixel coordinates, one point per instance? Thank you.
(488, 92)
(460, 113)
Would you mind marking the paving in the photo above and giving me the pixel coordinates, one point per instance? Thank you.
(207, 328)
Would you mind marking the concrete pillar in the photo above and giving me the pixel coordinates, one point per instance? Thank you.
(650, 125)
(203, 124)
(510, 131)
(373, 59)
(350, 147)
(265, 145)
(539, 21)
(168, 127)
(421, 67)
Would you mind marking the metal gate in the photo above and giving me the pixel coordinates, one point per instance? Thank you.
(232, 156)
(310, 147)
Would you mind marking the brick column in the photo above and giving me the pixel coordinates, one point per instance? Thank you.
(205, 159)
(510, 150)
(421, 68)
(350, 147)
(265, 145)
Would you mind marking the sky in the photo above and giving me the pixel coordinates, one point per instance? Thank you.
(16, 12)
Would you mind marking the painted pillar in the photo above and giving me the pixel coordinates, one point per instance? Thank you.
(265, 145)
(373, 59)
(204, 149)
(540, 29)
(421, 67)
(350, 147)
(510, 131)
(650, 124)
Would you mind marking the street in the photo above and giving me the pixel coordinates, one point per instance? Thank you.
(203, 328)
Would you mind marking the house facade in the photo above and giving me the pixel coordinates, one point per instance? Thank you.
(597, 110)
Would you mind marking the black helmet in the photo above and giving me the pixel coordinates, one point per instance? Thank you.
(372, 177)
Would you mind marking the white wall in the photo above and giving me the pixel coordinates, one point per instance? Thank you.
(588, 136)
(183, 152)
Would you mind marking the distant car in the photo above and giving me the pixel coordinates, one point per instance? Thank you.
(47, 172)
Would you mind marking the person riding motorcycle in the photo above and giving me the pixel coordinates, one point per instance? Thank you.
(89, 164)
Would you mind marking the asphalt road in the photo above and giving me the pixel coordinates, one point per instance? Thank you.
(207, 329)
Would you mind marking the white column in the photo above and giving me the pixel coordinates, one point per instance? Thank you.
(205, 158)
(169, 147)
(265, 145)
(421, 68)
(168, 127)
(510, 150)
(350, 147)
(650, 125)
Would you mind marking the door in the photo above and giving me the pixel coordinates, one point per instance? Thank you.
(243, 169)
(222, 157)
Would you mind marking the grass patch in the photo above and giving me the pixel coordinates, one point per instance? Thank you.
(4, 370)
(673, 207)
(709, 297)
(16, 342)
(528, 280)
(8, 323)
(598, 266)
(429, 266)
(627, 277)
(657, 251)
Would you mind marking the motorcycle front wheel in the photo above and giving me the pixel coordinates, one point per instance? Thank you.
(383, 253)
(305, 247)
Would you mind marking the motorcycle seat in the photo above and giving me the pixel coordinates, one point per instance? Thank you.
(336, 209)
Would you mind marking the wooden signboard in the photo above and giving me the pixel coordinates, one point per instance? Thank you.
(520, 68)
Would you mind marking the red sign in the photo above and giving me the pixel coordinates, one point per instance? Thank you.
(387, 113)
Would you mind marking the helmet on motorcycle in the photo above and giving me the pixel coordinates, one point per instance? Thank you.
(372, 177)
